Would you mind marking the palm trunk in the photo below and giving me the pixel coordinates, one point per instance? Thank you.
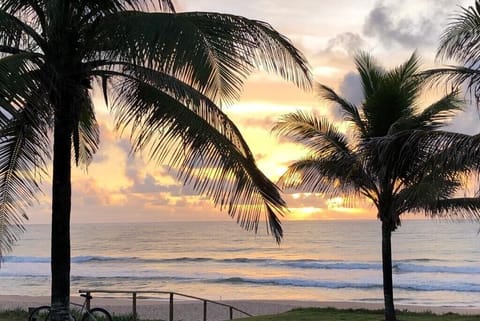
(61, 205)
(387, 272)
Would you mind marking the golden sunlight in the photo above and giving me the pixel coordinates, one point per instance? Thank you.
(304, 213)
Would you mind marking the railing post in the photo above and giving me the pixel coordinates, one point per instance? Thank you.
(134, 305)
(231, 313)
(170, 314)
(87, 299)
(204, 310)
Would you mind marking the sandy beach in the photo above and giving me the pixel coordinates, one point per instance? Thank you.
(193, 310)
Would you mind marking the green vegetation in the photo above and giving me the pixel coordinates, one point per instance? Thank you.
(13, 315)
(329, 314)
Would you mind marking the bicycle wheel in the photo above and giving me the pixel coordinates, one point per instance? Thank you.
(41, 313)
(97, 314)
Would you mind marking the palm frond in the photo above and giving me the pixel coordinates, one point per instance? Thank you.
(184, 93)
(388, 94)
(23, 145)
(349, 110)
(403, 82)
(23, 154)
(325, 176)
(321, 137)
(440, 112)
(86, 132)
(427, 188)
(454, 208)
(404, 74)
(370, 73)
(204, 156)
(455, 76)
(451, 151)
(17, 34)
(461, 39)
(147, 5)
(31, 11)
(212, 52)
(461, 42)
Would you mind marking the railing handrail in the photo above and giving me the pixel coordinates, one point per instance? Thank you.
(171, 293)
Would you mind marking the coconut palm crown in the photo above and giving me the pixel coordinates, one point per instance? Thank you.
(460, 43)
(163, 75)
(378, 161)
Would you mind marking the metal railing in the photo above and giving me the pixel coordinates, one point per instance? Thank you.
(171, 295)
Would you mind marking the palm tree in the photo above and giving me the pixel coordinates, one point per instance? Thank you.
(379, 161)
(167, 74)
(460, 42)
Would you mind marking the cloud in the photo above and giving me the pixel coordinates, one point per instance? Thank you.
(351, 88)
(346, 42)
(336, 56)
(398, 24)
(467, 122)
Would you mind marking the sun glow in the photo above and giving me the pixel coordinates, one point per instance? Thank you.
(336, 202)
(305, 213)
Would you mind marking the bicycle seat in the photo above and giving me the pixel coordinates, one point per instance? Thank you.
(86, 295)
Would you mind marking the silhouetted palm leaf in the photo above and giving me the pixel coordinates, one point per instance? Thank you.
(212, 52)
(460, 42)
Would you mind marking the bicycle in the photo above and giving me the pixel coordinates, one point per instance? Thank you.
(42, 313)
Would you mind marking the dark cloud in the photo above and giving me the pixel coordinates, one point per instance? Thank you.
(151, 183)
(411, 31)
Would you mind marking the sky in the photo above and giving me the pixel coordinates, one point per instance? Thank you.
(120, 188)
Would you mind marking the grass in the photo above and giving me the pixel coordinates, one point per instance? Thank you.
(14, 315)
(309, 314)
(330, 314)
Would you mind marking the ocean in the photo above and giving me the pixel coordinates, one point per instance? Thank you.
(435, 263)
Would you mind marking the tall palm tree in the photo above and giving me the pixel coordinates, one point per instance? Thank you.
(167, 73)
(461, 42)
(379, 161)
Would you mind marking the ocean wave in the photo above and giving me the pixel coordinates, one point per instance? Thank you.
(119, 277)
(297, 282)
(76, 259)
(405, 266)
(158, 278)
(26, 259)
(415, 268)
(460, 287)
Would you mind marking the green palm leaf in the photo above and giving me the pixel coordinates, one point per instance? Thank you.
(86, 133)
(460, 42)
(461, 38)
(317, 134)
(212, 52)
(23, 145)
(441, 112)
(350, 111)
